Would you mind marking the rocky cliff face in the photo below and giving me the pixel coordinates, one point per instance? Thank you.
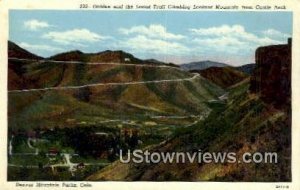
(272, 76)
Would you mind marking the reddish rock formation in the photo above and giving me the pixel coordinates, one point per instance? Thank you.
(272, 76)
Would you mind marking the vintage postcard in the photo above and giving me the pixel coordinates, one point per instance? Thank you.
(105, 95)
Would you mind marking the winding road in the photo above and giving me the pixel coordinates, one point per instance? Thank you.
(195, 75)
(94, 63)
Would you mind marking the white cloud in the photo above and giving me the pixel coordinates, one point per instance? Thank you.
(152, 31)
(218, 31)
(143, 44)
(234, 31)
(275, 33)
(35, 24)
(75, 36)
(220, 44)
(230, 39)
(39, 47)
(152, 39)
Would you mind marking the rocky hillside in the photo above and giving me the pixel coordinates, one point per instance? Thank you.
(125, 95)
(222, 76)
(107, 56)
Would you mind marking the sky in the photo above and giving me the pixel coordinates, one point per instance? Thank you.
(170, 36)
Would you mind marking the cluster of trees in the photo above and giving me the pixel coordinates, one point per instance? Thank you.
(86, 141)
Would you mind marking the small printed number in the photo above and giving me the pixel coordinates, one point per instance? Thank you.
(282, 186)
(83, 6)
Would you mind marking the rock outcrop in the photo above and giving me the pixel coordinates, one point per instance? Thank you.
(272, 76)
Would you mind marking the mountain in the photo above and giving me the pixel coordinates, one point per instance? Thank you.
(15, 51)
(102, 57)
(20, 76)
(168, 98)
(222, 76)
(200, 65)
(248, 68)
(16, 68)
(107, 56)
(253, 120)
(74, 55)
(154, 61)
(102, 91)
